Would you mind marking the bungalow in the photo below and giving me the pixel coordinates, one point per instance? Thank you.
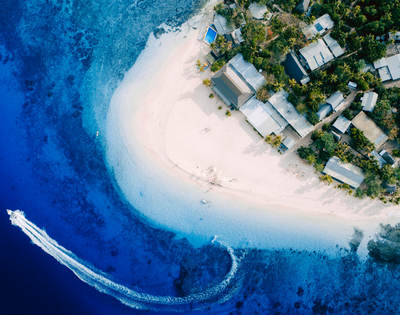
(237, 81)
(320, 26)
(263, 117)
(334, 103)
(390, 188)
(388, 68)
(259, 11)
(344, 172)
(303, 6)
(371, 131)
(294, 69)
(395, 36)
(342, 124)
(378, 158)
(299, 123)
(368, 101)
(316, 54)
(222, 26)
(333, 46)
(287, 144)
(387, 157)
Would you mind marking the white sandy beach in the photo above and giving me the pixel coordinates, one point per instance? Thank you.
(159, 144)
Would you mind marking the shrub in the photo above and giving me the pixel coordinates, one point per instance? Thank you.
(211, 95)
(396, 153)
(316, 134)
(359, 193)
(207, 82)
(313, 118)
(347, 113)
(356, 106)
(228, 113)
(304, 152)
(293, 99)
(363, 85)
(219, 107)
(326, 127)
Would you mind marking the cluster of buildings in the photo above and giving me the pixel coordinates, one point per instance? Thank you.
(314, 55)
(388, 68)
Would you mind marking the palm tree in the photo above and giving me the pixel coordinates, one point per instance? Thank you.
(213, 46)
(292, 82)
(333, 78)
(207, 82)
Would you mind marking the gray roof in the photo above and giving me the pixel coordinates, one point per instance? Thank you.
(288, 111)
(258, 10)
(289, 143)
(380, 63)
(333, 46)
(316, 54)
(336, 100)
(370, 129)
(323, 111)
(368, 101)
(390, 188)
(263, 118)
(388, 158)
(378, 158)
(344, 172)
(393, 64)
(232, 85)
(248, 72)
(303, 6)
(384, 74)
(320, 25)
(342, 124)
(221, 25)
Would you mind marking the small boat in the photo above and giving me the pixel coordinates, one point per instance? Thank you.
(205, 201)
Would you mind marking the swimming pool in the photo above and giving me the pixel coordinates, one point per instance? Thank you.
(210, 36)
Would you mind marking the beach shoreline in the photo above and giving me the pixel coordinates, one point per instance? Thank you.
(167, 121)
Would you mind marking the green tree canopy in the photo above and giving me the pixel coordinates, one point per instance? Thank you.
(372, 49)
(327, 142)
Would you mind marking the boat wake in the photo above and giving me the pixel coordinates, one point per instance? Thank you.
(99, 280)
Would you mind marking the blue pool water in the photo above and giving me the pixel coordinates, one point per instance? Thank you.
(59, 65)
(211, 35)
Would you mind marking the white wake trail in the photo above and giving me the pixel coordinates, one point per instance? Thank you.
(98, 279)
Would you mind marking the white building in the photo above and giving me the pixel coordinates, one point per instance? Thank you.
(368, 101)
(333, 46)
(316, 54)
(320, 26)
(388, 68)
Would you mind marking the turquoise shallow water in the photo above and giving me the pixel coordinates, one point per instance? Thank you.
(60, 63)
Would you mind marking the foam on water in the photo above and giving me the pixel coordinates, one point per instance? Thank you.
(97, 279)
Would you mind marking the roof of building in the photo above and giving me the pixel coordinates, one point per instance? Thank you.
(380, 63)
(336, 100)
(395, 36)
(294, 68)
(370, 129)
(333, 46)
(263, 118)
(258, 10)
(368, 101)
(289, 143)
(323, 111)
(232, 85)
(390, 188)
(316, 54)
(384, 74)
(388, 158)
(303, 6)
(393, 64)
(352, 85)
(248, 72)
(378, 158)
(238, 80)
(344, 172)
(342, 124)
(288, 111)
(237, 36)
(320, 25)
(221, 25)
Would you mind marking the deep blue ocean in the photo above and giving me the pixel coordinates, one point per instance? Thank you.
(55, 59)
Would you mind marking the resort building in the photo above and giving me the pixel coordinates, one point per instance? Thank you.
(320, 26)
(344, 172)
(342, 124)
(302, 7)
(263, 117)
(387, 157)
(334, 103)
(368, 101)
(333, 46)
(316, 54)
(388, 68)
(298, 122)
(378, 158)
(259, 11)
(371, 131)
(237, 81)
(294, 69)
(222, 26)
(395, 36)
(287, 144)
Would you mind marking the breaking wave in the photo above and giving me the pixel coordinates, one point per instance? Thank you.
(97, 279)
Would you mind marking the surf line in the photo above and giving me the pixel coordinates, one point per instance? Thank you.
(99, 280)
